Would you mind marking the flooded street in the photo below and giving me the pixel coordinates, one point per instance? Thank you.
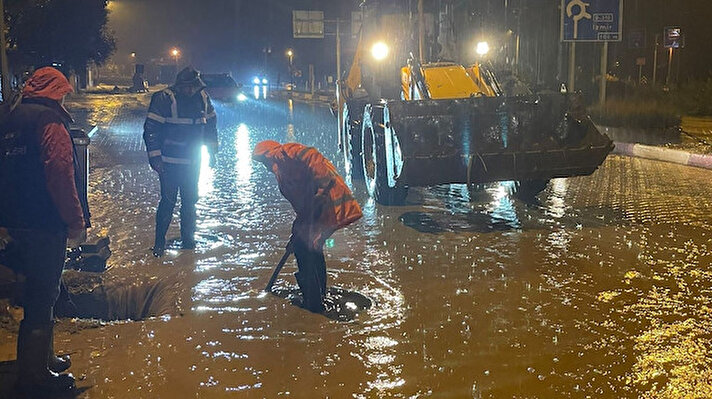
(602, 289)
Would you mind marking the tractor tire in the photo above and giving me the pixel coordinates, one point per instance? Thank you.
(374, 159)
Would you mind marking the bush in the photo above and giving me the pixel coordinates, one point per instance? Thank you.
(636, 113)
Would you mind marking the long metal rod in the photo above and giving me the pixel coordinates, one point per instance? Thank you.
(287, 252)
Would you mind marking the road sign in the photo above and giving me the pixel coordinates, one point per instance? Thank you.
(308, 24)
(591, 20)
(673, 37)
(640, 61)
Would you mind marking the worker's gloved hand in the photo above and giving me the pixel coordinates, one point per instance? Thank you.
(156, 164)
(75, 238)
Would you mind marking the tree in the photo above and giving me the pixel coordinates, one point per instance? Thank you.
(68, 32)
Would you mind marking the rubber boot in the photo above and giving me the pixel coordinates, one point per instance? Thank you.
(313, 300)
(164, 215)
(33, 375)
(187, 226)
(56, 363)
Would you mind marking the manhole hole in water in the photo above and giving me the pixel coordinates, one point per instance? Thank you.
(92, 296)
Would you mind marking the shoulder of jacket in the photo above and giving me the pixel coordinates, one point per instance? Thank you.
(40, 113)
(163, 94)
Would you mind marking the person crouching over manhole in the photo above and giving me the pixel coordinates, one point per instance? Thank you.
(39, 210)
(323, 204)
(180, 120)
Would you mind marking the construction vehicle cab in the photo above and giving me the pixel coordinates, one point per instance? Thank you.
(452, 123)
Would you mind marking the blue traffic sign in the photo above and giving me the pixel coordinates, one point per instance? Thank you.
(591, 20)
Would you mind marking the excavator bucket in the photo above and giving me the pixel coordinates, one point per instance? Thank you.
(480, 140)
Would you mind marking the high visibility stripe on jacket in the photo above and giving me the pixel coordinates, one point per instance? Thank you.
(176, 128)
(319, 195)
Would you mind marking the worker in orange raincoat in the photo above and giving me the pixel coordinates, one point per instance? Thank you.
(323, 204)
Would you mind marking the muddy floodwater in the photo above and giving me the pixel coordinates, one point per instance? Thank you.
(601, 289)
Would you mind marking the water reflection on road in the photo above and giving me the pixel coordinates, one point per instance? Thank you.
(600, 289)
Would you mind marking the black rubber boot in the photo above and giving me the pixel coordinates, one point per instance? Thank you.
(56, 363)
(313, 300)
(33, 375)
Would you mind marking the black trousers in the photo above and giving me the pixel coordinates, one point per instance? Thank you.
(38, 255)
(312, 275)
(177, 178)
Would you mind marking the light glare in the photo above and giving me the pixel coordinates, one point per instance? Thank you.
(482, 48)
(379, 51)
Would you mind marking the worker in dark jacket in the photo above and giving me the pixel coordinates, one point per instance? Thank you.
(323, 204)
(180, 120)
(39, 210)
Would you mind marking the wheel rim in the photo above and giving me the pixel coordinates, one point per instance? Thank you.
(346, 137)
(369, 160)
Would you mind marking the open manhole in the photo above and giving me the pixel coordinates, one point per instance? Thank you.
(93, 296)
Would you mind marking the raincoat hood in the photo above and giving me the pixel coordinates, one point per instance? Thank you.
(188, 76)
(263, 149)
(48, 83)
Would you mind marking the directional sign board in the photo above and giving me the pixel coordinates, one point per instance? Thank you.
(308, 24)
(591, 20)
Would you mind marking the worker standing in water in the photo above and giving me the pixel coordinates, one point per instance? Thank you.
(323, 204)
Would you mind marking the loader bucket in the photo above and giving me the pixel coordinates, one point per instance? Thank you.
(487, 139)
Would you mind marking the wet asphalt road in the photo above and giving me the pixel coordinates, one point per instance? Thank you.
(602, 289)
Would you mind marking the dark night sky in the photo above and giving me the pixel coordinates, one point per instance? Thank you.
(222, 35)
(230, 35)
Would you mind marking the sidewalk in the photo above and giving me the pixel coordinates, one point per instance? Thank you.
(694, 150)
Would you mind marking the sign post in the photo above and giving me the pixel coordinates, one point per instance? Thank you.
(591, 21)
(672, 40)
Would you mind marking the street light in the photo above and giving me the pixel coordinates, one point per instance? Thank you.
(379, 51)
(482, 48)
(290, 56)
(175, 53)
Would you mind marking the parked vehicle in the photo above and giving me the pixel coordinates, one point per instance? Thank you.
(221, 87)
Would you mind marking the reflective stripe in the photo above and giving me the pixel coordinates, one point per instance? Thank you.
(186, 121)
(181, 161)
(303, 152)
(154, 153)
(174, 103)
(173, 142)
(156, 117)
(205, 102)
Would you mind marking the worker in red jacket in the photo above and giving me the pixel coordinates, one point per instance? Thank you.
(323, 204)
(39, 210)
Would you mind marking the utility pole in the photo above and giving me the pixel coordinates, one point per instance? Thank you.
(5, 68)
(655, 61)
(572, 67)
(669, 68)
(421, 31)
(338, 50)
(604, 74)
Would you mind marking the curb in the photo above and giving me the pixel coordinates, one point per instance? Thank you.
(296, 95)
(663, 154)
